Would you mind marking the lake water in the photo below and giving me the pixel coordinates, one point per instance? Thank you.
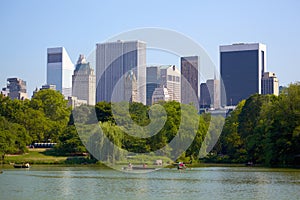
(198, 183)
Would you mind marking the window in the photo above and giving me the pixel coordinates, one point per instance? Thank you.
(54, 57)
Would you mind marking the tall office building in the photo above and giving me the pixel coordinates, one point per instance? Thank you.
(270, 84)
(84, 81)
(165, 76)
(242, 66)
(113, 61)
(170, 79)
(152, 82)
(59, 70)
(17, 88)
(189, 80)
(209, 94)
(205, 101)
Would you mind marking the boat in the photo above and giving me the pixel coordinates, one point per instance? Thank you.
(180, 165)
(142, 167)
(26, 165)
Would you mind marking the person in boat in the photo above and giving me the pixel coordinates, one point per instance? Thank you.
(144, 165)
(181, 165)
(129, 166)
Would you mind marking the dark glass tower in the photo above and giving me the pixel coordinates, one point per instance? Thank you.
(241, 66)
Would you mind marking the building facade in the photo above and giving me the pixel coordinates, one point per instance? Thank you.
(205, 101)
(270, 83)
(46, 87)
(17, 88)
(189, 80)
(210, 94)
(75, 102)
(170, 78)
(241, 66)
(84, 81)
(59, 70)
(131, 87)
(5, 92)
(160, 94)
(153, 81)
(113, 61)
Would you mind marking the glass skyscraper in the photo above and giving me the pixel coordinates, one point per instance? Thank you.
(241, 66)
(59, 70)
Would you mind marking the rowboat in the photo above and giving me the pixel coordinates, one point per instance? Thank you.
(144, 167)
(26, 165)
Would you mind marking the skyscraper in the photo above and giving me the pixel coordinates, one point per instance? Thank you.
(113, 61)
(270, 84)
(84, 81)
(189, 80)
(17, 88)
(59, 70)
(242, 66)
(209, 94)
(170, 79)
(205, 101)
(153, 81)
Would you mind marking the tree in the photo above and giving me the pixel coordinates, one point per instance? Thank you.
(53, 104)
(13, 138)
(56, 114)
(69, 142)
(231, 142)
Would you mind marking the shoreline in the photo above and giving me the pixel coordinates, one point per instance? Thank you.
(195, 166)
(46, 157)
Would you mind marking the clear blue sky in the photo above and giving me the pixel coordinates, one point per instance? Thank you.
(29, 27)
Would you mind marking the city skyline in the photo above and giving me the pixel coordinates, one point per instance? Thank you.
(26, 38)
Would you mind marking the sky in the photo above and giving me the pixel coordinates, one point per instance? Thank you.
(28, 28)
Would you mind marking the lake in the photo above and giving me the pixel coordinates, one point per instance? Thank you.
(56, 182)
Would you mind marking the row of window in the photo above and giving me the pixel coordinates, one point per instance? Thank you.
(173, 78)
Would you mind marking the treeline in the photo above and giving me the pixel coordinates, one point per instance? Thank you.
(264, 129)
(109, 131)
(166, 129)
(44, 118)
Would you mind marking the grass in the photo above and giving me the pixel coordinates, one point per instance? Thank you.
(36, 156)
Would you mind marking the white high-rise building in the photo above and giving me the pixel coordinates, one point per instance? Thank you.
(270, 84)
(170, 78)
(59, 70)
(113, 62)
(84, 81)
